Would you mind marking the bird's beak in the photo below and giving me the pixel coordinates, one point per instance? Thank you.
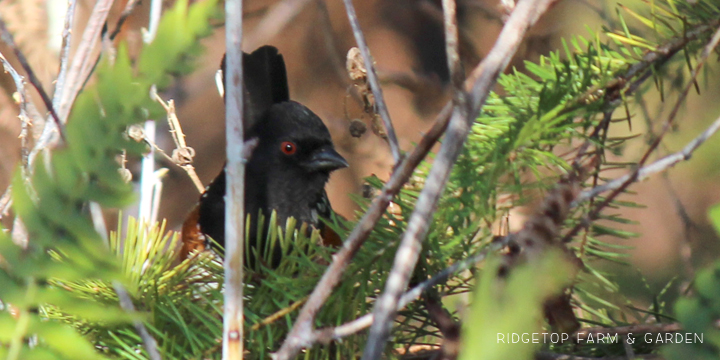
(326, 159)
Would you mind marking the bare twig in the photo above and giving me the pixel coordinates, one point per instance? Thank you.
(237, 156)
(279, 16)
(526, 13)
(147, 177)
(373, 79)
(123, 296)
(334, 333)
(129, 7)
(183, 155)
(19, 232)
(8, 39)
(155, 11)
(79, 70)
(22, 101)
(127, 305)
(82, 63)
(658, 166)
(64, 52)
(451, 44)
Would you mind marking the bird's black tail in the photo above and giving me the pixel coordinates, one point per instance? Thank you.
(265, 80)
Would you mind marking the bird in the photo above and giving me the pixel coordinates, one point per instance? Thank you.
(286, 172)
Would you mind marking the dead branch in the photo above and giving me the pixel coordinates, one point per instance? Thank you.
(8, 39)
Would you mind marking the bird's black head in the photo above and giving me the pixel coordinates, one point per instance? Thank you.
(294, 138)
(293, 160)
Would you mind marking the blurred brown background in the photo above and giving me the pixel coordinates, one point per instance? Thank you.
(406, 40)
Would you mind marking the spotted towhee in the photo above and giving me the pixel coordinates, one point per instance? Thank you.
(288, 169)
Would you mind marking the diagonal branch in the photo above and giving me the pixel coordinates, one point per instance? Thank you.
(82, 64)
(656, 167)
(80, 68)
(451, 44)
(8, 39)
(23, 104)
(64, 52)
(373, 79)
(326, 335)
(526, 13)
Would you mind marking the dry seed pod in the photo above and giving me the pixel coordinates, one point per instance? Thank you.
(355, 66)
(136, 132)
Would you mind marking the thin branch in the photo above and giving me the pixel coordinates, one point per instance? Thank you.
(373, 79)
(64, 52)
(126, 304)
(182, 155)
(237, 156)
(123, 296)
(335, 333)
(82, 64)
(8, 39)
(526, 13)
(155, 11)
(22, 101)
(79, 70)
(658, 166)
(278, 314)
(129, 7)
(279, 16)
(147, 177)
(451, 44)
(19, 232)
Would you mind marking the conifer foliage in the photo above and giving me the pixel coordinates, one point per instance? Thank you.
(547, 127)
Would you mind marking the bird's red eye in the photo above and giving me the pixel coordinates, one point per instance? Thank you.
(288, 148)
